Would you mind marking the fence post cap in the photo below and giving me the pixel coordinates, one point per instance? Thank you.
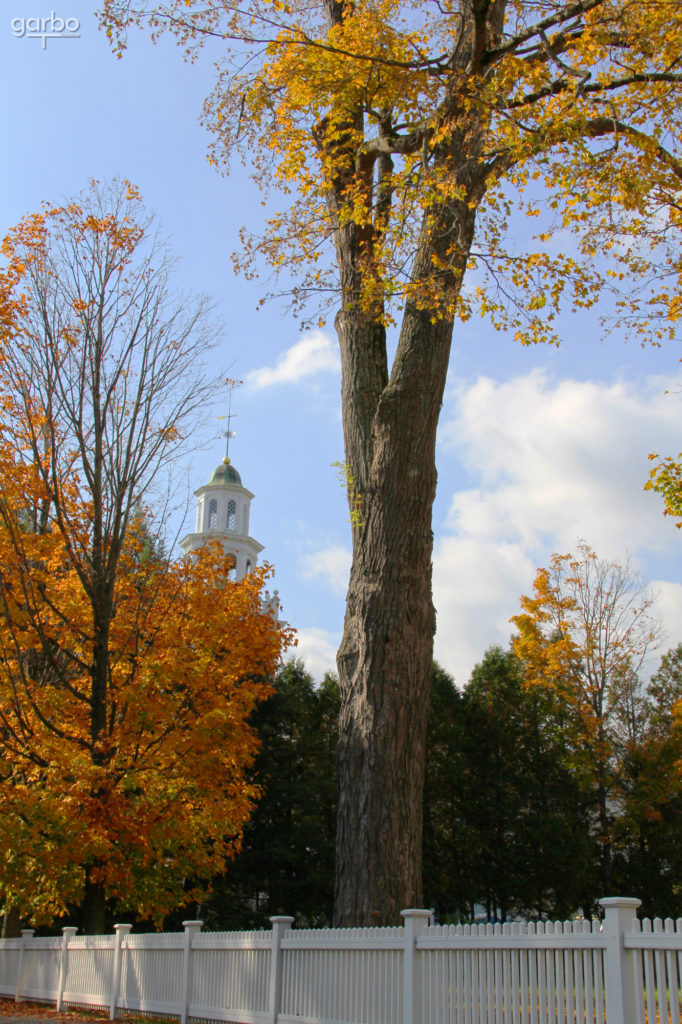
(192, 926)
(416, 912)
(69, 930)
(27, 933)
(281, 919)
(620, 901)
(124, 928)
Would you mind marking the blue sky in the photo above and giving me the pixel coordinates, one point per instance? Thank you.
(537, 447)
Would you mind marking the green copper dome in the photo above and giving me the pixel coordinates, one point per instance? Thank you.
(225, 473)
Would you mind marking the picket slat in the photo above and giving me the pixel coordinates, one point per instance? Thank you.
(673, 971)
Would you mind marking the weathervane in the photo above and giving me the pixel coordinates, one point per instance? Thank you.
(227, 434)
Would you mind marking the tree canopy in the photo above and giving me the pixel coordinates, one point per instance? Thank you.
(407, 137)
(354, 110)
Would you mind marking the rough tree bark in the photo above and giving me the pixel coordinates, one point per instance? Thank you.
(385, 660)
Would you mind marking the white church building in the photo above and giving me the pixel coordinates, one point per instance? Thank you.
(223, 514)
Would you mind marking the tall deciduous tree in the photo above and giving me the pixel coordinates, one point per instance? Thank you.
(584, 635)
(126, 679)
(405, 133)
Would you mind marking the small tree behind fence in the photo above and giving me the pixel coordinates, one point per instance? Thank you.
(622, 971)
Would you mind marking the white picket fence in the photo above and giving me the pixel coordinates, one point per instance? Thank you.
(622, 972)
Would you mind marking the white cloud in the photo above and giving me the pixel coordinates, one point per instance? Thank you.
(331, 565)
(317, 649)
(561, 460)
(314, 353)
(669, 607)
(549, 462)
(476, 587)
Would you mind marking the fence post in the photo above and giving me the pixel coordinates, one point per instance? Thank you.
(26, 934)
(191, 929)
(621, 991)
(415, 923)
(279, 926)
(67, 933)
(120, 931)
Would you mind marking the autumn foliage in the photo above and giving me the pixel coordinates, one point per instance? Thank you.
(588, 624)
(126, 677)
(665, 478)
(377, 119)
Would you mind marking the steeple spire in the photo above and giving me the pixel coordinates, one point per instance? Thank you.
(229, 433)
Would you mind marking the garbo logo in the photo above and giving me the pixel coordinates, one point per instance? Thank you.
(46, 28)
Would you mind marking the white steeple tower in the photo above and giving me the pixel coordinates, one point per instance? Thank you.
(223, 514)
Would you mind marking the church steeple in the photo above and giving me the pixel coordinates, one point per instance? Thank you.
(224, 510)
(223, 514)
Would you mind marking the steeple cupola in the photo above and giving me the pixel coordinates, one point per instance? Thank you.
(223, 514)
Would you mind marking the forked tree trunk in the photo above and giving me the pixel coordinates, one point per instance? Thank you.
(385, 660)
(385, 664)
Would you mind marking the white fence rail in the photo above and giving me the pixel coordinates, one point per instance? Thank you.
(622, 972)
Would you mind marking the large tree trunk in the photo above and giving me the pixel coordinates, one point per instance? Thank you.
(385, 664)
(385, 660)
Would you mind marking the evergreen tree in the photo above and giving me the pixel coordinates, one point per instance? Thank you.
(449, 853)
(286, 865)
(507, 817)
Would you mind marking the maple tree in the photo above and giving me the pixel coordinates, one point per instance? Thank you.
(583, 636)
(126, 677)
(406, 136)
